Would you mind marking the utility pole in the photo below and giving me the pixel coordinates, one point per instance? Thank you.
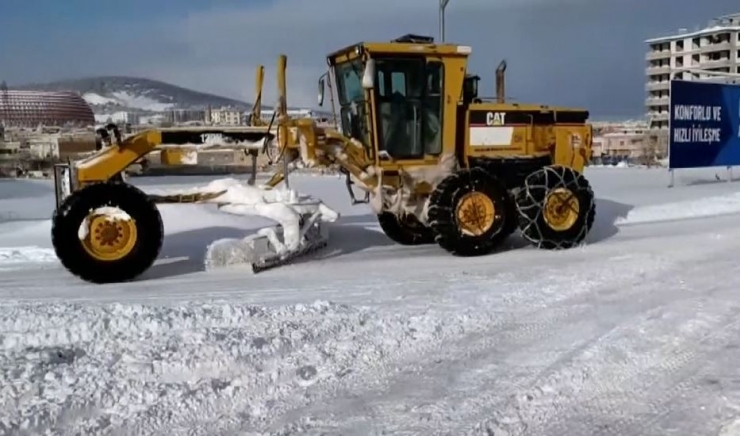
(442, 7)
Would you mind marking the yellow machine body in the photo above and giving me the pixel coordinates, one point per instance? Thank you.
(436, 162)
(427, 87)
(416, 108)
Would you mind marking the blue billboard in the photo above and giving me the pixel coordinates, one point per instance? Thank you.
(705, 121)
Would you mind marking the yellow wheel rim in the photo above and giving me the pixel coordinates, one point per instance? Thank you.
(475, 213)
(561, 209)
(109, 238)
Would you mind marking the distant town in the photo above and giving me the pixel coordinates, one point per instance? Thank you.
(39, 127)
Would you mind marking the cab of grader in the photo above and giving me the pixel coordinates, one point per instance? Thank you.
(438, 164)
(455, 169)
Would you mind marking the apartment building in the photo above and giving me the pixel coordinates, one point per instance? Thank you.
(226, 117)
(703, 54)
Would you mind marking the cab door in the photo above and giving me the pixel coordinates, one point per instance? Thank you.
(408, 95)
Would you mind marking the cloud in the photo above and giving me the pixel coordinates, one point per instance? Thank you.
(225, 45)
(587, 53)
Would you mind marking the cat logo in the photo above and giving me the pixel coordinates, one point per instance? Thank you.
(495, 118)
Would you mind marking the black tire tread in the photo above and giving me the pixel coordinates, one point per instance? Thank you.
(530, 200)
(442, 213)
(402, 234)
(73, 210)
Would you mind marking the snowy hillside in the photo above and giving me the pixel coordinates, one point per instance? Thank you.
(635, 333)
(111, 94)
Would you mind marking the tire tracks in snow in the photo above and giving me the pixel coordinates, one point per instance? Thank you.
(628, 396)
(597, 399)
(490, 357)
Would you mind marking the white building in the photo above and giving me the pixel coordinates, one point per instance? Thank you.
(43, 146)
(226, 117)
(266, 115)
(121, 117)
(685, 56)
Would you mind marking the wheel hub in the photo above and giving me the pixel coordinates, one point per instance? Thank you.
(475, 213)
(110, 238)
(561, 209)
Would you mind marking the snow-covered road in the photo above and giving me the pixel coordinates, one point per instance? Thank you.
(636, 333)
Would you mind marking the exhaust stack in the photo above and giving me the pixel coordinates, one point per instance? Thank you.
(500, 85)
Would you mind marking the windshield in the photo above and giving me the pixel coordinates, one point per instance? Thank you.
(352, 103)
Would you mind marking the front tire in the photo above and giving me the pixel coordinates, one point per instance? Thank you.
(405, 230)
(112, 247)
(556, 208)
(469, 213)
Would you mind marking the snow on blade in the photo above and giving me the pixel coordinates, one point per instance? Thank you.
(704, 207)
(215, 141)
(285, 206)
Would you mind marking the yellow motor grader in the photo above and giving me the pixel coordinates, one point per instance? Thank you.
(437, 164)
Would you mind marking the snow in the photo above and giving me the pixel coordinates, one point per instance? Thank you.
(705, 207)
(190, 158)
(140, 102)
(126, 99)
(634, 333)
(284, 206)
(216, 141)
(97, 100)
(111, 214)
(19, 255)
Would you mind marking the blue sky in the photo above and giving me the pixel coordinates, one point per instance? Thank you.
(587, 53)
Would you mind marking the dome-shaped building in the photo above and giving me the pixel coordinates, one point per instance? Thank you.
(20, 108)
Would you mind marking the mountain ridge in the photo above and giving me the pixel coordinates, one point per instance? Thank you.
(106, 94)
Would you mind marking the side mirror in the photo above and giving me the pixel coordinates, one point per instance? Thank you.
(368, 76)
(321, 91)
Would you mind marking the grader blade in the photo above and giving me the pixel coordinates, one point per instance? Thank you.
(262, 251)
(300, 228)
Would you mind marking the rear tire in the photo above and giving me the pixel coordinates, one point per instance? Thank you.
(108, 253)
(469, 212)
(405, 230)
(556, 208)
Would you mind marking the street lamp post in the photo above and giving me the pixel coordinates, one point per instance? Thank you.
(442, 6)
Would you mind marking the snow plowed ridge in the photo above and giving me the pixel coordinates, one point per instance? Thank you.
(13, 256)
(705, 207)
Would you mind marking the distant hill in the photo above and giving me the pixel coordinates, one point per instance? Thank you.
(108, 94)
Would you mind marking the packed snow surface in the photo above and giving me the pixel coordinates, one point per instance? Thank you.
(10, 256)
(636, 332)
